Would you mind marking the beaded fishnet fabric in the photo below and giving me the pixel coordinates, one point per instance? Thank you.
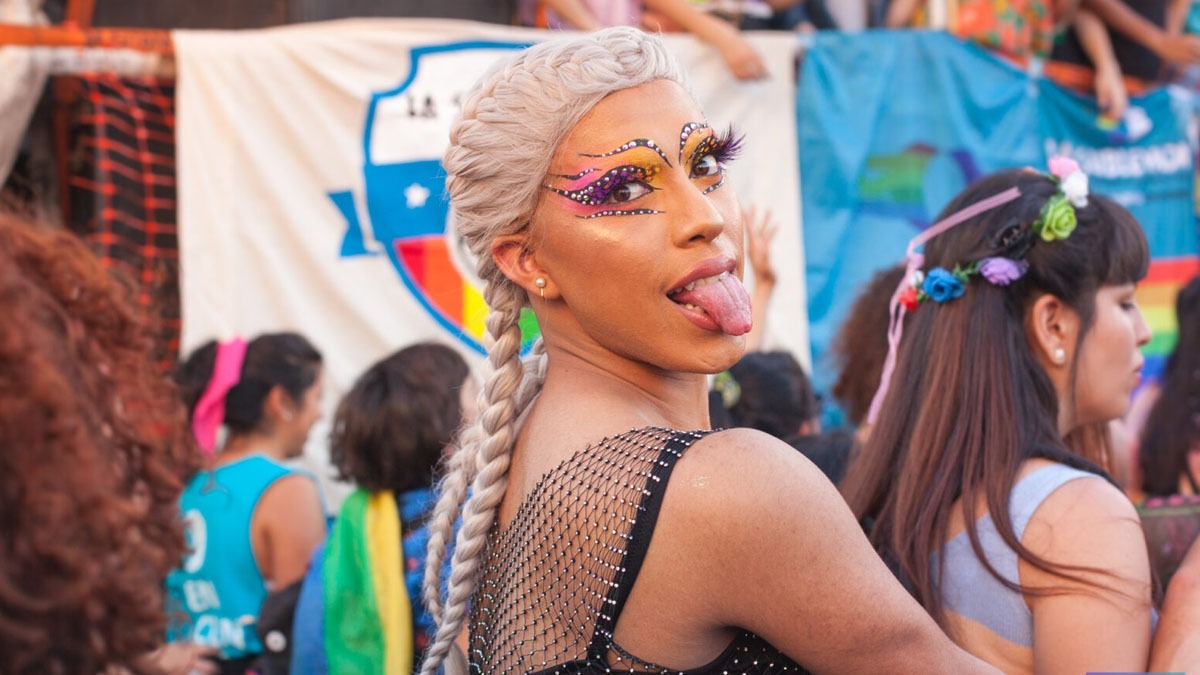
(556, 578)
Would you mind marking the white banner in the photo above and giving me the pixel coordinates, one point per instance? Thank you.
(311, 195)
(21, 86)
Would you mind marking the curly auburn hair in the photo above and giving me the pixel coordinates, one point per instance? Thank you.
(93, 448)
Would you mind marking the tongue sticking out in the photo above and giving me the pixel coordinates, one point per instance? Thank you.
(725, 300)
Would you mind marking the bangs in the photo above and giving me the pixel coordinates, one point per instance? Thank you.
(1126, 254)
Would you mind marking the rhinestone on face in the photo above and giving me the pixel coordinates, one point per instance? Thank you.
(636, 143)
(685, 133)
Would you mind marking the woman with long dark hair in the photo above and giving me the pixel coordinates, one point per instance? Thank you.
(1019, 329)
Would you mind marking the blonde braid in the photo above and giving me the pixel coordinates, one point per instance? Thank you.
(492, 452)
(535, 374)
(500, 150)
(460, 471)
(452, 492)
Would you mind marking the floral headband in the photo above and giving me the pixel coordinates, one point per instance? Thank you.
(1055, 221)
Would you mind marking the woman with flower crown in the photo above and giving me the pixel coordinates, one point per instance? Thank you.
(606, 528)
(983, 479)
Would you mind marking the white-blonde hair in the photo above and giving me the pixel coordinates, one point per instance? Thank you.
(500, 151)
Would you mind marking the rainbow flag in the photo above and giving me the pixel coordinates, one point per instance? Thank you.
(1156, 296)
(368, 620)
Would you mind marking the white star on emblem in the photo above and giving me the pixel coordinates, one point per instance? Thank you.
(416, 194)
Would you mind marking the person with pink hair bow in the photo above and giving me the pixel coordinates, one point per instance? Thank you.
(252, 521)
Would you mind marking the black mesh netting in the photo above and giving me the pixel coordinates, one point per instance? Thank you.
(556, 578)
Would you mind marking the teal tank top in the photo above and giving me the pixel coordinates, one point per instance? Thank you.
(215, 596)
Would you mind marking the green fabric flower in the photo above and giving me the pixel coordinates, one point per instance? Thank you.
(1057, 220)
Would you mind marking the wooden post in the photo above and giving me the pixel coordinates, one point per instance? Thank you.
(137, 39)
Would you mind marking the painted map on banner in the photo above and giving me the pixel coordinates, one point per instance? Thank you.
(312, 198)
(893, 124)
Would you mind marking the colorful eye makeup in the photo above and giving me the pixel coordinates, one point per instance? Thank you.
(627, 212)
(632, 180)
(577, 176)
(614, 184)
(685, 134)
(708, 152)
(618, 185)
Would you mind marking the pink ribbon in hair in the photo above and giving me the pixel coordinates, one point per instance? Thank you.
(896, 309)
(210, 409)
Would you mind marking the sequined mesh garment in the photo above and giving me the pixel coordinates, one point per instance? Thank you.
(556, 578)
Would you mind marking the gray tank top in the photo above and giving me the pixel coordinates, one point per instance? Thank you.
(970, 590)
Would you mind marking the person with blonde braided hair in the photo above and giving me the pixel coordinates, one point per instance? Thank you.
(596, 535)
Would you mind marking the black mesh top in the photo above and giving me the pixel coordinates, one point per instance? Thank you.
(556, 578)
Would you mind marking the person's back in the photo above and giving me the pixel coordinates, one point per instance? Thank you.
(1168, 447)
(1165, 450)
(550, 597)
(92, 446)
(220, 580)
(360, 608)
(252, 522)
(861, 346)
(985, 615)
(830, 451)
(769, 391)
(982, 477)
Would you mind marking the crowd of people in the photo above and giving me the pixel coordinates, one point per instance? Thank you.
(1111, 49)
(635, 492)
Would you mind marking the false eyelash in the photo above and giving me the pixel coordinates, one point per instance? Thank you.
(724, 148)
(728, 146)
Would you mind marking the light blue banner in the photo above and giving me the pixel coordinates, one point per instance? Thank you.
(892, 124)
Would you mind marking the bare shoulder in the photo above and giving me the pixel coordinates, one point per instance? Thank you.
(297, 486)
(1090, 523)
(1095, 611)
(753, 535)
(1088, 499)
(749, 481)
(291, 497)
(737, 456)
(288, 524)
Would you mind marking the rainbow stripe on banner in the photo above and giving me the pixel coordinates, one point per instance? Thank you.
(441, 286)
(1156, 296)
